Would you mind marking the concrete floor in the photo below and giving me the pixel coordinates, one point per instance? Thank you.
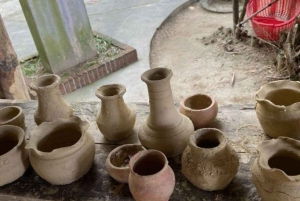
(131, 22)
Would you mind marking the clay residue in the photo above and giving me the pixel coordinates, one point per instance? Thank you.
(122, 157)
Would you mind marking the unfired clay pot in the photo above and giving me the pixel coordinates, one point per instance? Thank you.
(51, 106)
(200, 108)
(117, 161)
(115, 119)
(61, 151)
(278, 108)
(151, 178)
(276, 171)
(12, 115)
(165, 129)
(14, 159)
(209, 162)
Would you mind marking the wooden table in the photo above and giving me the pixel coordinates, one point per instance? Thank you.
(238, 122)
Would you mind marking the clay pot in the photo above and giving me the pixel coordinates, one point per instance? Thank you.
(115, 119)
(200, 108)
(276, 171)
(165, 129)
(14, 159)
(151, 178)
(209, 162)
(12, 115)
(51, 106)
(61, 151)
(117, 161)
(278, 108)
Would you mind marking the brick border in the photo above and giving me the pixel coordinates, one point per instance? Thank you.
(127, 56)
(97, 71)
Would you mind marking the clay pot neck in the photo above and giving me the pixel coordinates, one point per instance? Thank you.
(46, 83)
(208, 140)
(198, 102)
(57, 139)
(148, 164)
(111, 92)
(161, 99)
(279, 96)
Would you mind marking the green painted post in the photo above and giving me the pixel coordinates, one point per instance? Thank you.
(61, 31)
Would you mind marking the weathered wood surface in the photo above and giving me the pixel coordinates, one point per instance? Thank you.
(239, 123)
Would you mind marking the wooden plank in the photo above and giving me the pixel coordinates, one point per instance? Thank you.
(238, 122)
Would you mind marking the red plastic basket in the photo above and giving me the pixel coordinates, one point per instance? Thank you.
(279, 17)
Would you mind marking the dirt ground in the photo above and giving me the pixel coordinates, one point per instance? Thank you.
(199, 48)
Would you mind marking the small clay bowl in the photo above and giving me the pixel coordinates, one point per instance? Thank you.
(14, 159)
(117, 161)
(12, 115)
(200, 108)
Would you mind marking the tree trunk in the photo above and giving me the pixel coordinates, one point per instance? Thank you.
(11, 78)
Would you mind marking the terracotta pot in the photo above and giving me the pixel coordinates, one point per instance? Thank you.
(61, 151)
(200, 108)
(165, 129)
(209, 162)
(276, 171)
(14, 159)
(51, 106)
(12, 115)
(150, 178)
(115, 119)
(278, 108)
(117, 161)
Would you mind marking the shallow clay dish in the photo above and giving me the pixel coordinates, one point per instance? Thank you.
(200, 108)
(117, 161)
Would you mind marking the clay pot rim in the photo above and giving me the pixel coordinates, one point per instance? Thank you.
(213, 102)
(146, 74)
(36, 137)
(143, 154)
(275, 146)
(20, 134)
(275, 85)
(120, 87)
(33, 85)
(220, 136)
(15, 117)
(108, 159)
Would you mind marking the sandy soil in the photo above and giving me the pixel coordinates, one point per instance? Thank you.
(199, 48)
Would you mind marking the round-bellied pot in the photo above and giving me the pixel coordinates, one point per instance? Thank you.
(150, 178)
(117, 161)
(12, 115)
(61, 151)
(115, 119)
(278, 108)
(165, 129)
(209, 162)
(200, 108)
(14, 159)
(51, 105)
(276, 171)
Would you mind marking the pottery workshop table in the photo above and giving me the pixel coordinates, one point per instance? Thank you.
(238, 122)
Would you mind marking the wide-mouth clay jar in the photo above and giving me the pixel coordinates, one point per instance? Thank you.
(14, 159)
(200, 108)
(61, 151)
(276, 171)
(117, 161)
(12, 115)
(278, 108)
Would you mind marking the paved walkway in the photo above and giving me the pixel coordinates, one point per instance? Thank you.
(132, 22)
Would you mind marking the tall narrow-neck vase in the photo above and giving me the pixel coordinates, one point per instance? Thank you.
(165, 129)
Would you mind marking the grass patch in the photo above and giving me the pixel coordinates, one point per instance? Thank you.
(33, 67)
